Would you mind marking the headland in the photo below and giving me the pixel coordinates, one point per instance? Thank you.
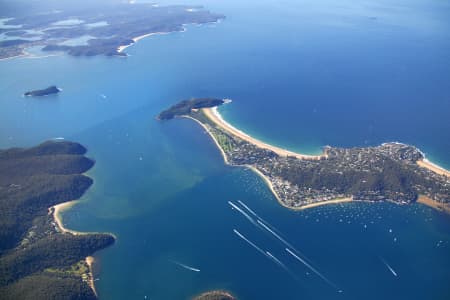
(39, 258)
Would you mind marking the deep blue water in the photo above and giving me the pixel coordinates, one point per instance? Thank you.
(302, 74)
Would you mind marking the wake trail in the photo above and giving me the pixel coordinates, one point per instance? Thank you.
(185, 266)
(271, 229)
(266, 253)
(242, 212)
(248, 208)
(249, 242)
(389, 267)
(282, 265)
(313, 269)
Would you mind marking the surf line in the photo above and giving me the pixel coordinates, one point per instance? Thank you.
(185, 266)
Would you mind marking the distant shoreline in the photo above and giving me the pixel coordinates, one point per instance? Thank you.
(121, 48)
(136, 39)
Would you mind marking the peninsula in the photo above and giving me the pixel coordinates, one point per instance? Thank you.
(44, 92)
(391, 172)
(39, 259)
(105, 29)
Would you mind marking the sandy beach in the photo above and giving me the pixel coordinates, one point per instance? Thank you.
(425, 163)
(136, 39)
(433, 203)
(333, 201)
(269, 184)
(57, 210)
(215, 117)
(90, 261)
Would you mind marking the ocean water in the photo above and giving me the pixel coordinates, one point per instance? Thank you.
(302, 74)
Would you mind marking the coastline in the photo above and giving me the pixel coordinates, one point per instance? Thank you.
(58, 209)
(28, 55)
(89, 262)
(422, 199)
(12, 57)
(121, 48)
(224, 156)
(332, 201)
(316, 204)
(264, 177)
(425, 163)
(214, 115)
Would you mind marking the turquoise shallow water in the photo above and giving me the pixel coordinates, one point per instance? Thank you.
(302, 75)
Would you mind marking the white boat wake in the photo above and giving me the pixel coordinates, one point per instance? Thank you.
(265, 226)
(249, 242)
(266, 253)
(313, 269)
(185, 266)
(242, 212)
(389, 267)
(248, 208)
(272, 230)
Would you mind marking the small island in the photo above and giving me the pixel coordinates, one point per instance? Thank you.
(45, 92)
(39, 258)
(392, 172)
(215, 295)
